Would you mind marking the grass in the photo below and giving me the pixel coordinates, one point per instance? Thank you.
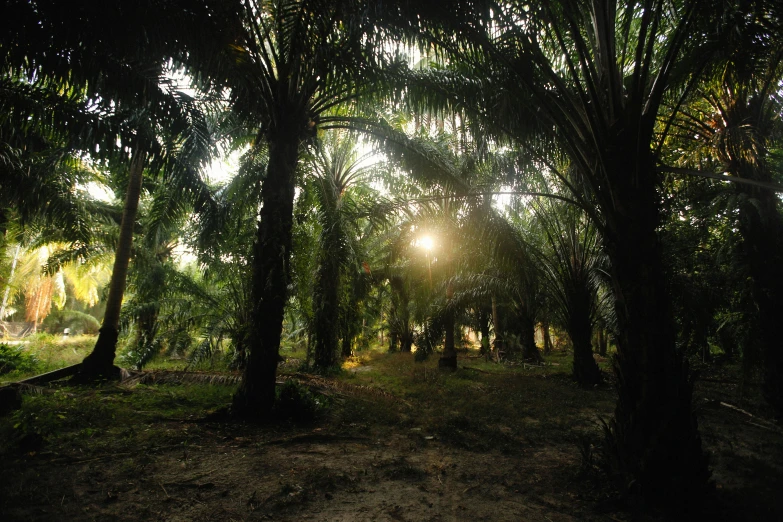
(483, 405)
(50, 353)
(408, 418)
(107, 419)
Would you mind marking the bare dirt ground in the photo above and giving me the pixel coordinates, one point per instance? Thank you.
(439, 453)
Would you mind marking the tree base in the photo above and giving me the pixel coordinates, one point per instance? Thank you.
(653, 443)
(448, 363)
(586, 373)
(253, 404)
(772, 387)
(10, 400)
(95, 374)
(99, 365)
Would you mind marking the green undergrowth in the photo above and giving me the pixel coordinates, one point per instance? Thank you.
(219, 361)
(16, 360)
(45, 353)
(482, 405)
(107, 419)
(297, 402)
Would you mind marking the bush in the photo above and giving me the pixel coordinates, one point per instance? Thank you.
(15, 359)
(78, 322)
(297, 402)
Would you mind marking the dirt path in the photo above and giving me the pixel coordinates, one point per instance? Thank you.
(299, 476)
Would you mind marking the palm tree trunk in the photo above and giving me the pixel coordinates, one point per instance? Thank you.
(448, 360)
(602, 342)
(100, 363)
(271, 253)
(8, 286)
(406, 338)
(497, 342)
(585, 369)
(347, 346)
(484, 329)
(546, 336)
(326, 304)
(653, 436)
(399, 320)
(762, 246)
(527, 335)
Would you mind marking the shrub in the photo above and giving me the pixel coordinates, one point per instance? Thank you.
(297, 402)
(15, 359)
(78, 322)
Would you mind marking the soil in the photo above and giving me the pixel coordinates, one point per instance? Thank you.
(387, 466)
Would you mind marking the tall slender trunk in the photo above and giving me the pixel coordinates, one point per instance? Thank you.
(484, 329)
(270, 267)
(347, 345)
(448, 360)
(7, 291)
(497, 342)
(546, 336)
(602, 342)
(100, 363)
(653, 436)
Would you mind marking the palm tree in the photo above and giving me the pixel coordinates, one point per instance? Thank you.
(513, 280)
(588, 79)
(460, 174)
(222, 240)
(571, 263)
(73, 73)
(734, 123)
(338, 169)
(295, 61)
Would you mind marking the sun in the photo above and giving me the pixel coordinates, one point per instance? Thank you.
(426, 242)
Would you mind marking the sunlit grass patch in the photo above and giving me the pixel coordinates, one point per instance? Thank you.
(358, 360)
(483, 406)
(50, 353)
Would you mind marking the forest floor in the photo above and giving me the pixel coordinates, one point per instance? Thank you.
(399, 441)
